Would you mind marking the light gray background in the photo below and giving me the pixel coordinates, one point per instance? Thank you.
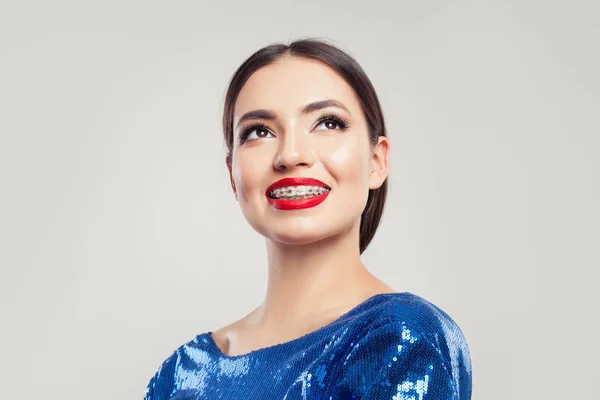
(121, 239)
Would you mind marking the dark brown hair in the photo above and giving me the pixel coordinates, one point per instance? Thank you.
(353, 74)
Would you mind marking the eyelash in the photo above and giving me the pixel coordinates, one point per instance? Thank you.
(341, 122)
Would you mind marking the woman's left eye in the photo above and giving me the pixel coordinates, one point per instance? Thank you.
(330, 124)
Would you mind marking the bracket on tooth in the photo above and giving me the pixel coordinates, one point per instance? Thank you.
(293, 193)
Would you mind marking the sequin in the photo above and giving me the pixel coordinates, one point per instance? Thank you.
(392, 346)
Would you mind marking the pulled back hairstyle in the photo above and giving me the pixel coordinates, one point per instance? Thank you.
(353, 74)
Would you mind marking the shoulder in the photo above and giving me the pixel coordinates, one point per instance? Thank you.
(408, 313)
(406, 306)
(409, 317)
(182, 362)
(411, 344)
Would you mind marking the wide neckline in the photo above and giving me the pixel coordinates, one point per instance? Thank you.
(280, 346)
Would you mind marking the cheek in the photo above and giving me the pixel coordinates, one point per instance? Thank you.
(245, 174)
(347, 160)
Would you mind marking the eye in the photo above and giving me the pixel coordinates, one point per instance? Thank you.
(253, 132)
(331, 122)
(258, 133)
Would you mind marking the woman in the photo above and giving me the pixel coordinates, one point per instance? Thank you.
(308, 164)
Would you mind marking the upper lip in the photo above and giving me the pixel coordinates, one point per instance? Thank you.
(297, 181)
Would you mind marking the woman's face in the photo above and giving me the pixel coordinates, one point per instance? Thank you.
(299, 118)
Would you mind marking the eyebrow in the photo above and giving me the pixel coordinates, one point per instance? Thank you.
(307, 109)
(318, 105)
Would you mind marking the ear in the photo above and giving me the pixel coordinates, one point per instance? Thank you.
(379, 163)
(228, 163)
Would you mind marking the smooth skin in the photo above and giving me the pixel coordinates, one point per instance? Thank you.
(315, 273)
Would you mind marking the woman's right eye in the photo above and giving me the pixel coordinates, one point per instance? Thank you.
(253, 133)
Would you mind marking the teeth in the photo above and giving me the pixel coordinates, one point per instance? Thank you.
(296, 192)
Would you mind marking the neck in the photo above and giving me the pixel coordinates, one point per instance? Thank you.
(307, 280)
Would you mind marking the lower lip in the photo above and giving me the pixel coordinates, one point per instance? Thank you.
(281, 204)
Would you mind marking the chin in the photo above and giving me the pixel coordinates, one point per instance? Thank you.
(295, 238)
(300, 230)
(293, 235)
(296, 227)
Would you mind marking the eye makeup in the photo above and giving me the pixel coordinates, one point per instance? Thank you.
(342, 125)
(243, 136)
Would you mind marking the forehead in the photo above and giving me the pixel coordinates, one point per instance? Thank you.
(292, 82)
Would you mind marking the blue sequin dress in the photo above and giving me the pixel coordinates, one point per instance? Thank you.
(395, 346)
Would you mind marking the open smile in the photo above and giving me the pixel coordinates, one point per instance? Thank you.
(296, 193)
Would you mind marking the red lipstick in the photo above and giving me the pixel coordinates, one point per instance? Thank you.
(284, 204)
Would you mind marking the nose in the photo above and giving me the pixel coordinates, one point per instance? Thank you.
(294, 150)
